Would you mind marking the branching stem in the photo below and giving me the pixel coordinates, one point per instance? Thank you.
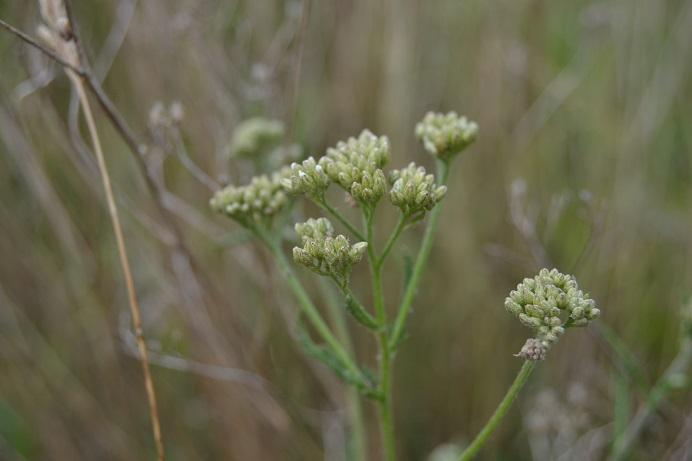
(322, 203)
(419, 265)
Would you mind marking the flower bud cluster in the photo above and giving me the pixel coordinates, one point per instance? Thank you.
(324, 253)
(307, 178)
(356, 166)
(413, 191)
(254, 136)
(255, 202)
(549, 303)
(445, 135)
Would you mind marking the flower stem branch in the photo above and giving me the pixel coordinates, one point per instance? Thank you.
(419, 265)
(400, 226)
(322, 203)
(306, 304)
(475, 446)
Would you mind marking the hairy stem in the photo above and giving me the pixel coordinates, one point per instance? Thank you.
(419, 265)
(523, 375)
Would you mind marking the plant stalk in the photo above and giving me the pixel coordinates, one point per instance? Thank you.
(475, 446)
(385, 369)
(124, 263)
(306, 304)
(419, 265)
(356, 450)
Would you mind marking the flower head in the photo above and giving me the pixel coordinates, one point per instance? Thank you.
(319, 228)
(256, 135)
(356, 164)
(324, 253)
(307, 178)
(549, 303)
(413, 191)
(445, 135)
(256, 202)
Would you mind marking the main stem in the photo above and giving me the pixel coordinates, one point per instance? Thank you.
(357, 447)
(421, 261)
(523, 375)
(385, 389)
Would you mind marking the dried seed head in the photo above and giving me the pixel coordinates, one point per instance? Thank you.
(324, 253)
(549, 303)
(414, 191)
(445, 135)
(356, 166)
(56, 31)
(255, 136)
(533, 349)
(253, 203)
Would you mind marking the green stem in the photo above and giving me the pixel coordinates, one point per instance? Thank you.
(356, 449)
(385, 403)
(322, 203)
(306, 304)
(500, 412)
(357, 310)
(392, 240)
(419, 265)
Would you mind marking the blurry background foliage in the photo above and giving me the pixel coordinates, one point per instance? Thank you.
(583, 163)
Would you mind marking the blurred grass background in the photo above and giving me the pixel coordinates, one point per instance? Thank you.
(583, 163)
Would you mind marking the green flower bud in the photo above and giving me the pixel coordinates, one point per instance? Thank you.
(356, 164)
(256, 135)
(371, 187)
(307, 178)
(444, 136)
(549, 303)
(256, 202)
(314, 229)
(324, 253)
(413, 191)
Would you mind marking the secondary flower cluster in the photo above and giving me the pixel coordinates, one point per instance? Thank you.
(445, 135)
(549, 303)
(307, 178)
(413, 191)
(356, 166)
(254, 136)
(256, 202)
(324, 253)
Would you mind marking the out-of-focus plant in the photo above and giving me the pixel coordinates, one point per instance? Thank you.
(356, 166)
(676, 376)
